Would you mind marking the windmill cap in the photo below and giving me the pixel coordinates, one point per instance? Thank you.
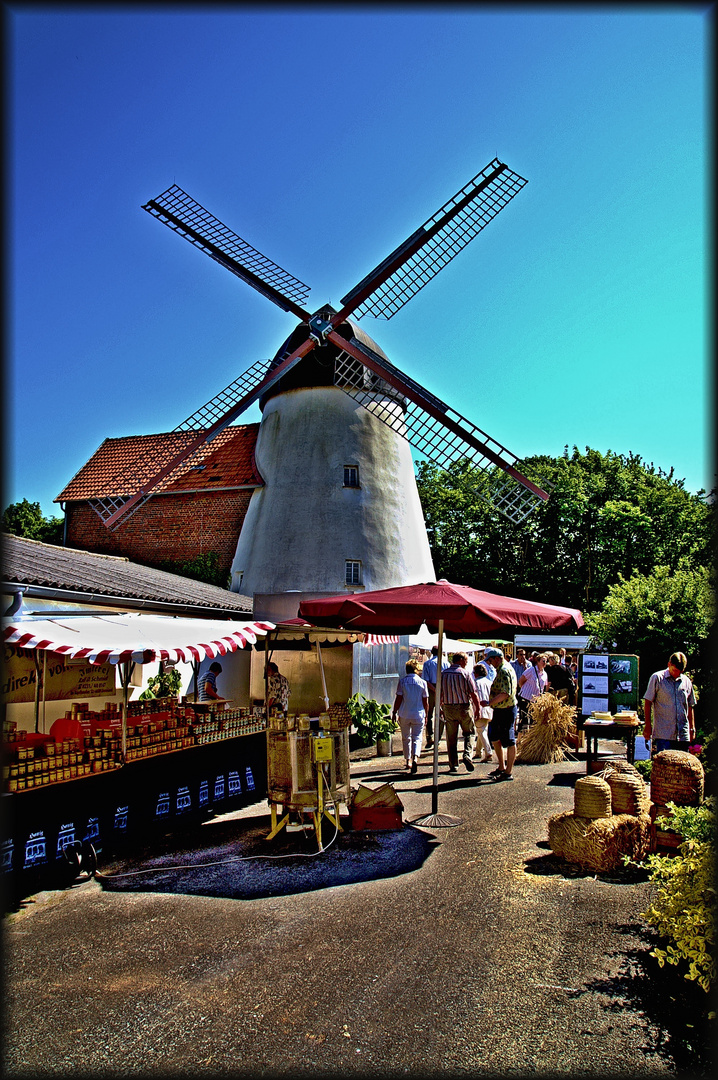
(488, 653)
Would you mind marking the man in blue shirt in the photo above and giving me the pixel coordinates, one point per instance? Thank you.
(668, 707)
(428, 674)
(520, 664)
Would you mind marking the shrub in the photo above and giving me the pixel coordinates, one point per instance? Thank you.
(371, 719)
(683, 910)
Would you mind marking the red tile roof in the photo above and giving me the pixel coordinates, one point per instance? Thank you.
(118, 466)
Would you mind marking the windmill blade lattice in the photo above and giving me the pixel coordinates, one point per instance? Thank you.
(201, 427)
(438, 432)
(437, 242)
(180, 212)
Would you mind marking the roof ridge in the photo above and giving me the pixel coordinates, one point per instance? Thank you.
(61, 547)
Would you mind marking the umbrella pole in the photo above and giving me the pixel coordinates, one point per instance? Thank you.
(436, 820)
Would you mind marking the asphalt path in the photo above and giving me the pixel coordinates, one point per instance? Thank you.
(469, 950)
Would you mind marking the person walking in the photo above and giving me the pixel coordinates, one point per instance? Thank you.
(668, 707)
(481, 722)
(502, 735)
(530, 686)
(458, 694)
(410, 706)
(428, 674)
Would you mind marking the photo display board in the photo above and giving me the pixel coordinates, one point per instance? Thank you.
(607, 682)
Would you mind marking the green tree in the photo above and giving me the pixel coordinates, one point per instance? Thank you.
(26, 519)
(203, 567)
(652, 615)
(607, 515)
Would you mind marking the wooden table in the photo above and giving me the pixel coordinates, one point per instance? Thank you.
(594, 732)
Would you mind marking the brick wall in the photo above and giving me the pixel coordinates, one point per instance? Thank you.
(177, 527)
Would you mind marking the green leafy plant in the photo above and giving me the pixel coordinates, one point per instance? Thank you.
(372, 719)
(683, 910)
(165, 684)
(644, 768)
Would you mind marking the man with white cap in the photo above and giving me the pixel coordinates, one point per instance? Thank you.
(503, 702)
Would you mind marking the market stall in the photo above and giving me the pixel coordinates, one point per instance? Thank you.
(100, 775)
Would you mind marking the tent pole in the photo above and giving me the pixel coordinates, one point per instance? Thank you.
(37, 690)
(125, 681)
(44, 681)
(324, 681)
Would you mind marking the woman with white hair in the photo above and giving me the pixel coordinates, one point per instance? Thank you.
(410, 705)
(481, 722)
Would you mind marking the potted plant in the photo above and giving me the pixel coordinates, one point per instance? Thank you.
(166, 683)
(373, 722)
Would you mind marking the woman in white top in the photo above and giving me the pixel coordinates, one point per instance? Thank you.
(531, 685)
(410, 704)
(481, 722)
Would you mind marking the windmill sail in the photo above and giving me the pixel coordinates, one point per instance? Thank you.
(436, 430)
(201, 427)
(420, 258)
(178, 210)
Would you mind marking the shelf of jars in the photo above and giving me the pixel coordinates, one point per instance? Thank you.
(84, 743)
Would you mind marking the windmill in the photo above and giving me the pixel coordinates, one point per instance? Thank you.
(383, 413)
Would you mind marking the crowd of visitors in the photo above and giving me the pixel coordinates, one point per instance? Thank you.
(487, 706)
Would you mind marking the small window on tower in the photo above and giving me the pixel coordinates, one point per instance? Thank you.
(352, 572)
(351, 476)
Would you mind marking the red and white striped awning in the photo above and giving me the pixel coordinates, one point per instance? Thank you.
(114, 639)
(380, 639)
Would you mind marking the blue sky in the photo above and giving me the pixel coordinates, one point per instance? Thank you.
(324, 136)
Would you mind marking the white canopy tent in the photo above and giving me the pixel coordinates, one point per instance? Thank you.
(425, 640)
(127, 638)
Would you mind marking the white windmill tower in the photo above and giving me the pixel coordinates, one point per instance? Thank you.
(340, 506)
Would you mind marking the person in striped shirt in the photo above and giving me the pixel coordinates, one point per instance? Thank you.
(458, 694)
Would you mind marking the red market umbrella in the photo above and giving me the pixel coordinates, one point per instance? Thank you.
(442, 606)
(463, 611)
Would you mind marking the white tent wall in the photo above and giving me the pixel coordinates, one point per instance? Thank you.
(301, 668)
(573, 643)
(234, 682)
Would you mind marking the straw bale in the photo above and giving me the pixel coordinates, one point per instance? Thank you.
(591, 798)
(620, 766)
(677, 777)
(551, 723)
(599, 843)
(629, 794)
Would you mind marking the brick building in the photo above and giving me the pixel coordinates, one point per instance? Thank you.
(197, 510)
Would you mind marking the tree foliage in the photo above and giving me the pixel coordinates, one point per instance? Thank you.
(203, 567)
(26, 519)
(654, 614)
(608, 515)
(618, 538)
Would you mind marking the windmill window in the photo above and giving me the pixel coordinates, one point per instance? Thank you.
(352, 572)
(351, 476)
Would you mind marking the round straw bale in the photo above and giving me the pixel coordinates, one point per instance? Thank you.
(677, 777)
(591, 798)
(620, 766)
(599, 843)
(629, 794)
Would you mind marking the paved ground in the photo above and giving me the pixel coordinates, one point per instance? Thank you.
(468, 950)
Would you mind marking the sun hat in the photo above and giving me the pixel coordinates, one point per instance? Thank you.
(493, 652)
